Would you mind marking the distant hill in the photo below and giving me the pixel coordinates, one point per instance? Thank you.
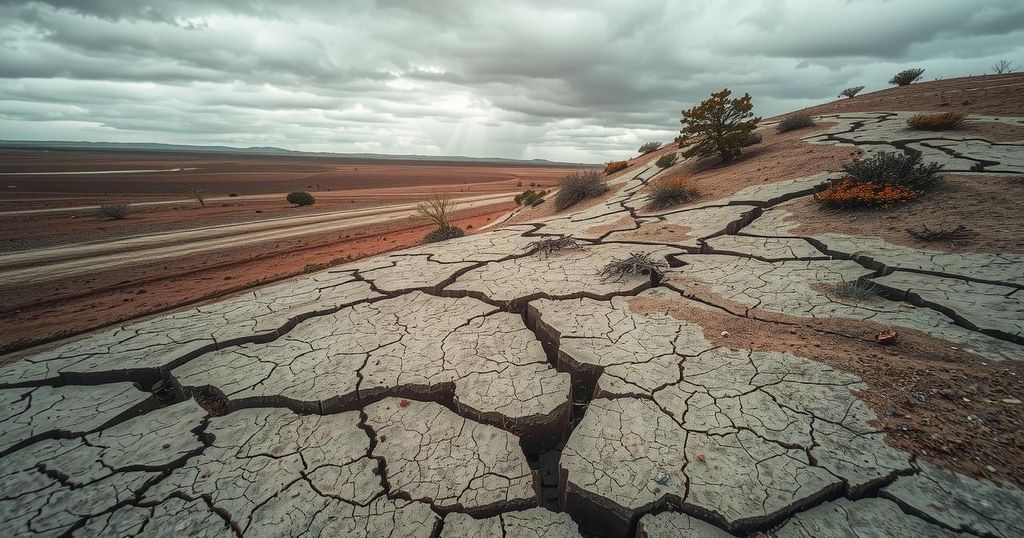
(261, 150)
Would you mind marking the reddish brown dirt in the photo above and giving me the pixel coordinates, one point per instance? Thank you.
(780, 156)
(243, 174)
(991, 95)
(979, 203)
(932, 399)
(37, 313)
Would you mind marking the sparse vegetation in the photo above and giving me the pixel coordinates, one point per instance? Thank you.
(579, 185)
(936, 122)
(1003, 66)
(666, 160)
(615, 166)
(443, 234)
(637, 264)
(530, 197)
(906, 77)
(199, 195)
(438, 209)
(794, 122)
(550, 245)
(895, 168)
(953, 235)
(850, 92)
(723, 125)
(754, 138)
(856, 289)
(232, 194)
(882, 180)
(664, 193)
(300, 198)
(648, 147)
(116, 211)
(851, 193)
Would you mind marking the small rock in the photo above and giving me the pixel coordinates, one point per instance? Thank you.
(886, 337)
(403, 403)
(662, 477)
(725, 333)
(1011, 401)
(947, 394)
(990, 468)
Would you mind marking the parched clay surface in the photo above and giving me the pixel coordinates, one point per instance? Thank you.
(532, 523)
(28, 414)
(478, 388)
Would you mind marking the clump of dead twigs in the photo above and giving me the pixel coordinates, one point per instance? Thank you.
(549, 245)
(636, 264)
(960, 233)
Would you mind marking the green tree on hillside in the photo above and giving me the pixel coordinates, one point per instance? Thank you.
(720, 124)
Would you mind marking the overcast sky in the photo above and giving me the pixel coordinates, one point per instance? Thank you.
(564, 80)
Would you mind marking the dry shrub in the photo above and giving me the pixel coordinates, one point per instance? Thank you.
(578, 185)
(852, 193)
(615, 166)
(794, 122)
(936, 122)
(671, 192)
(895, 168)
(666, 160)
(907, 76)
(116, 211)
(754, 138)
(850, 92)
(648, 147)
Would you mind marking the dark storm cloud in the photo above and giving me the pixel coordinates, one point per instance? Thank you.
(576, 80)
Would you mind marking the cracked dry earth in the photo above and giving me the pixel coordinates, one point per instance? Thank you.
(478, 388)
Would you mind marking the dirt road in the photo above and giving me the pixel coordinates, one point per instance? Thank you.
(54, 263)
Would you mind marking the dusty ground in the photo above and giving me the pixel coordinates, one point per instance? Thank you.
(932, 399)
(41, 312)
(957, 203)
(991, 95)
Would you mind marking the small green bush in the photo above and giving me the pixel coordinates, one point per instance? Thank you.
(529, 197)
(850, 92)
(720, 125)
(666, 160)
(116, 211)
(794, 122)
(300, 198)
(648, 147)
(857, 290)
(443, 234)
(895, 168)
(579, 185)
(907, 76)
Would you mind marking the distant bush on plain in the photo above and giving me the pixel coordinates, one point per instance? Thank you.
(649, 147)
(666, 160)
(530, 197)
(664, 193)
(116, 211)
(906, 77)
(720, 125)
(300, 198)
(615, 166)
(438, 209)
(936, 122)
(577, 186)
(794, 122)
(850, 92)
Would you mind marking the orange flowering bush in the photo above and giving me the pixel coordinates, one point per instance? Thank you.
(936, 122)
(615, 166)
(851, 193)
